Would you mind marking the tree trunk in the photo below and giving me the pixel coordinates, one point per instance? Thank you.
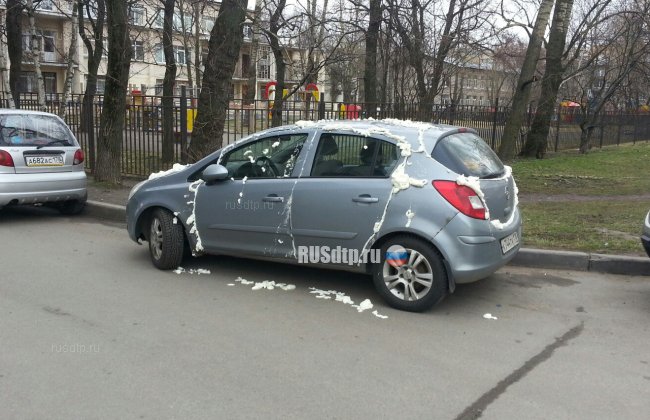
(586, 130)
(4, 68)
(111, 134)
(526, 78)
(95, 52)
(35, 51)
(537, 138)
(168, 83)
(225, 42)
(14, 28)
(197, 8)
(251, 93)
(370, 67)
(73, 62)
(275, 24)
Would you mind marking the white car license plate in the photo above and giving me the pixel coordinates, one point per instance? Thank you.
(54, 160)
(509, 242)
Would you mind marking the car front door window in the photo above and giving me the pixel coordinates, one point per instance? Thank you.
(270, 157)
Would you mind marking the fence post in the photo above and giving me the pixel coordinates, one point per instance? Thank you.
(494, 123)
(183, 127)
(321, 107)
(557, 126)
(618, 130)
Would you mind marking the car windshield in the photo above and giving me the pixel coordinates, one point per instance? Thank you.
(33, 131)
(467, 154)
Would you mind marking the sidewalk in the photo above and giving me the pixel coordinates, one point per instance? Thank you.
(109, 203)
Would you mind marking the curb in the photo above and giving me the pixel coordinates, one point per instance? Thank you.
(526, 257)
(582, 261)
(106, 211)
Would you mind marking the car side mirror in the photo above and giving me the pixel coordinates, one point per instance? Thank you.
(214, 172)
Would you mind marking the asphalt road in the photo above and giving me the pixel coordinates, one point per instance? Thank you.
(90, 330)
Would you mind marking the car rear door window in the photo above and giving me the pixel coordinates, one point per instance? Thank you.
(467, 154)
(341, 155)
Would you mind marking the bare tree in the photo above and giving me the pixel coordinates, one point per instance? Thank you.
(627, 49)
(35, 48)
(524, 84)
(111, 135)
(429, 34)
(14, 27)
(72, 60)
(92, 35)
(168, 81)
(4, 67)
(223, 51)
(370, 64)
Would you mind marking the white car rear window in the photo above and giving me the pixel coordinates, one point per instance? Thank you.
(33, 131)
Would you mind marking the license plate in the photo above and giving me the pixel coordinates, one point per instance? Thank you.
(54, 160)
(509, 242)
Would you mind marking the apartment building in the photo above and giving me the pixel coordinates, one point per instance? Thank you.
(478, 82)
(192, 22)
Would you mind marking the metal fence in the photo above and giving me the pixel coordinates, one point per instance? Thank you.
(142, 144)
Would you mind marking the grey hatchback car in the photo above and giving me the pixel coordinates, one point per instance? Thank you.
(41, 162)
(418, 206)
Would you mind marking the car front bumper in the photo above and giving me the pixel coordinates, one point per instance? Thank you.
(42, 187)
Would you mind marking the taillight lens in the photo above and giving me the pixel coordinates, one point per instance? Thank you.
(6, 159)
(462, 197)
(78, 157)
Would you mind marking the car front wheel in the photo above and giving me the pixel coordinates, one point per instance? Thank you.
(411, 275)
(166, 240)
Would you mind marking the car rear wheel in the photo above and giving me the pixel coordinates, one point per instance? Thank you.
(411, 275)
(70, 208)
(166, 240)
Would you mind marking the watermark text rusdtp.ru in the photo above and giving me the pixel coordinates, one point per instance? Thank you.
(338, 255)
(75, 348)
(249, 205)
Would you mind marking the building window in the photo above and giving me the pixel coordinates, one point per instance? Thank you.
(181, 55)
(45, 5)
(183, 24)
(207, 23)
(138, 51)
(28, 82)
(264, 63)
(101, 84)
(248, 31)
(137, 16)
(159, 21)
(245, 64)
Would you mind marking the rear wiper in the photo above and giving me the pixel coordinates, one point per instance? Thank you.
(54, 142)
(493, 175)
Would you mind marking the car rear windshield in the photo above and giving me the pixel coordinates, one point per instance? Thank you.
(33, 131)
(467, 154)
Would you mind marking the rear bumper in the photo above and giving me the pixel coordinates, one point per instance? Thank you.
(477, 255)
(42, 187)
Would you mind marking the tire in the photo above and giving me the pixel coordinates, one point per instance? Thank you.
(73, 207)
(166, 240)
(411, 290)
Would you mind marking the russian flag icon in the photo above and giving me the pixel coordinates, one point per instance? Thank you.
(396, 256)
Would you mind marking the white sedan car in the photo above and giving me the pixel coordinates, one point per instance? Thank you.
(41, 162)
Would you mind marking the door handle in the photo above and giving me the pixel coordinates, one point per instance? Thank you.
(365, 198)
(273, 198)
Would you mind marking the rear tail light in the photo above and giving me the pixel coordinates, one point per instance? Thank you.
(78, 157)
(462, 197)
(6, 159)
